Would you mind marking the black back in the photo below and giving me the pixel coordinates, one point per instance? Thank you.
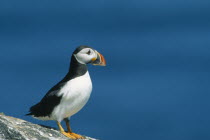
(51, 99)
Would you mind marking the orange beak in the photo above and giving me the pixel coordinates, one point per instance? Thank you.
(100, 60)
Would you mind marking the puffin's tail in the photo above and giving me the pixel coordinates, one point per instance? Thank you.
(28, 114)
(34, 110)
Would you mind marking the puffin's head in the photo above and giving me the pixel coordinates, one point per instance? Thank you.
(86, 55)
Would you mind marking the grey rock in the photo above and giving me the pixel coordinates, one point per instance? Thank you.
(16, 129)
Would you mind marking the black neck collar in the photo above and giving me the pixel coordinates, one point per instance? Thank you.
(76, 69)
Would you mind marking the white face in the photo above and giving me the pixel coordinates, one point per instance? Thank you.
(86, 55)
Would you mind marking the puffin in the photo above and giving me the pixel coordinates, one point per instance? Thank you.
(69, 95)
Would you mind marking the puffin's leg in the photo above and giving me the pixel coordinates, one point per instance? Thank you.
(70, 131)
(63, 132)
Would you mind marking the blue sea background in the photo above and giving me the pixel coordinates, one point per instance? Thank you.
(156, 85)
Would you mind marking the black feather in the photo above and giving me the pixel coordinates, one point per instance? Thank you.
(80, 48)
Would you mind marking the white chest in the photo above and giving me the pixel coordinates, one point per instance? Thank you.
(75, 95)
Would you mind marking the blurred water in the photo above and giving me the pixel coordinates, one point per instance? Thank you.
(156, 83)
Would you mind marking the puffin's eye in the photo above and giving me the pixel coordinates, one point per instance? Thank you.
(89, 52)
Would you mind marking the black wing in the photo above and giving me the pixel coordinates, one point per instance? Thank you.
(48, 102)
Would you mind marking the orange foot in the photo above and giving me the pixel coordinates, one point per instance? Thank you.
(72, 135)
(68, 135)
(76, 135)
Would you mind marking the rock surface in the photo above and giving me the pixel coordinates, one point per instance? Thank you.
(16, 129)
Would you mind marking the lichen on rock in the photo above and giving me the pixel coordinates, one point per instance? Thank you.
(16, 129)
